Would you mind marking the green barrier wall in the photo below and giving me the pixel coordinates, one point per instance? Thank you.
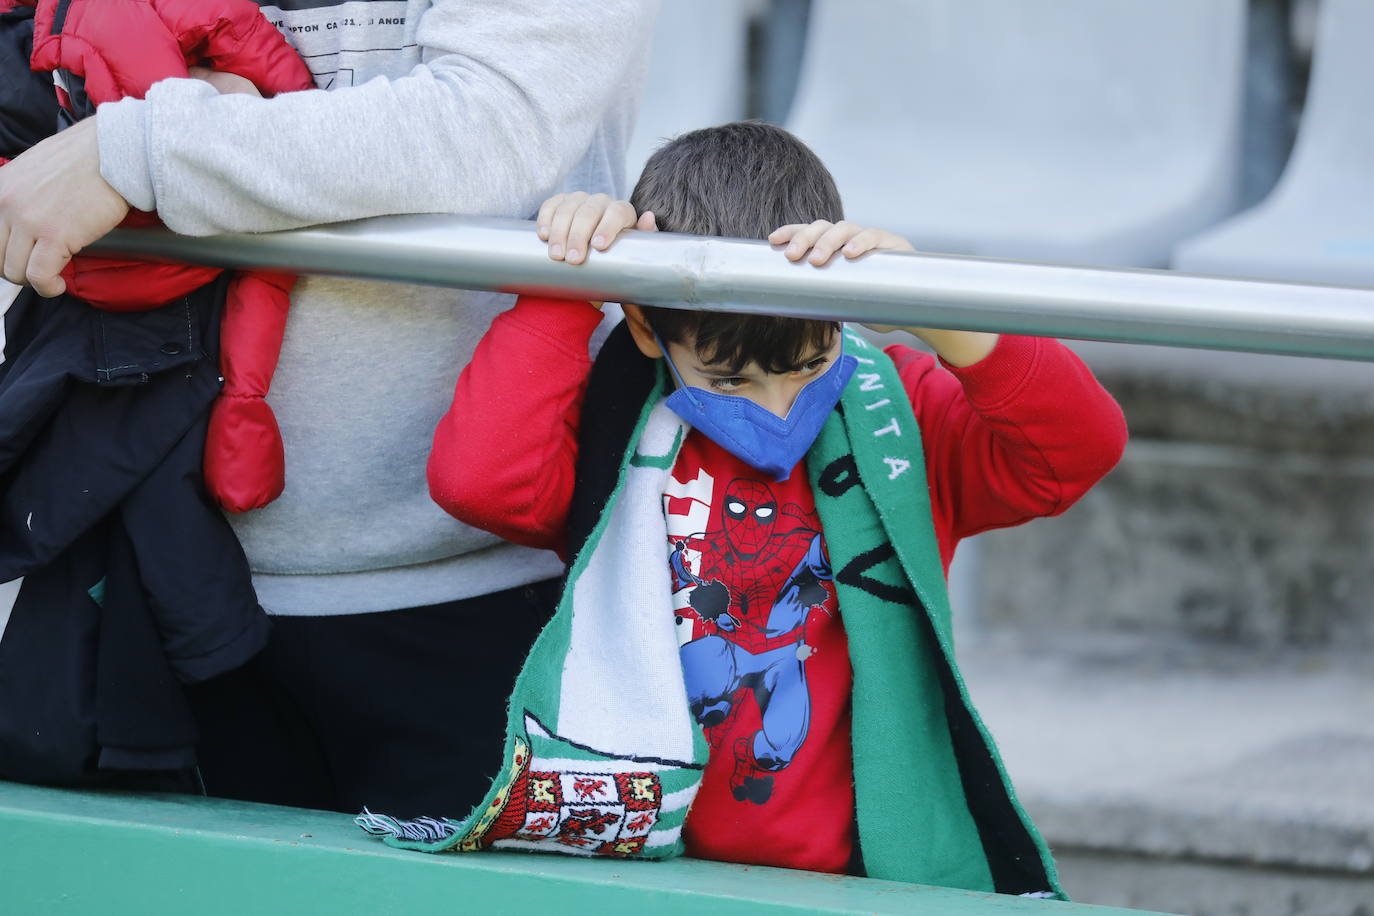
(114, 853)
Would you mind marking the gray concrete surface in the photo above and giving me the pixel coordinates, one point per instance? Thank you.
(1240, 515)
(1228, 544)
(1210, 781)
(1177, 668)
(1212, 889)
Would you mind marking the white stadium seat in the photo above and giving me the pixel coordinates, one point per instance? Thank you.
(1317, 225)
(1082, 131)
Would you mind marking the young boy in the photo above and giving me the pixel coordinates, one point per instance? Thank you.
(759, 513)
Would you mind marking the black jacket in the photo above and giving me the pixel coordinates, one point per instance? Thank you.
(133, 582)
(28, 105)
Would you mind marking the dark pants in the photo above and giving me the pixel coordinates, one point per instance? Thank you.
(402, 711)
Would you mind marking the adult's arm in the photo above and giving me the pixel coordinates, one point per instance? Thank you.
(504, 103)
(1021, 434)
(506, 98)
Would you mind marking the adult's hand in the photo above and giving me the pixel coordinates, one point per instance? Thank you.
(225, 83)
(53, 203)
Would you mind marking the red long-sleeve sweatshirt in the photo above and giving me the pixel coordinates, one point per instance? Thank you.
(1019, 435)
(1022, 434)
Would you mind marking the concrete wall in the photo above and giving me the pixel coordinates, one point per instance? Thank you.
(1177, 668)
(1242, 514)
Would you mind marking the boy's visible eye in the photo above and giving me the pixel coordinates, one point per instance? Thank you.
(733, 383)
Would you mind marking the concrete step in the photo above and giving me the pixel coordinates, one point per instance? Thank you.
(1189, 778)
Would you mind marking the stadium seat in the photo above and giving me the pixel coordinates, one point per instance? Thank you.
(1317, 225)
(1069, 131)
(697, 73)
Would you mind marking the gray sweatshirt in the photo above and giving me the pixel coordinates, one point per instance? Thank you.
(457, 106)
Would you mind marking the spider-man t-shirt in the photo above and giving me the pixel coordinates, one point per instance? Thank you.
(765, 661)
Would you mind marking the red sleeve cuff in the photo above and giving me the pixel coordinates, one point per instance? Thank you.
(997, 378)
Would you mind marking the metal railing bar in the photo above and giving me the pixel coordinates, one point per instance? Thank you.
(1090, 303)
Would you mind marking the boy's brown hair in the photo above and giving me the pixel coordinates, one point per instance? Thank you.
(741, 180)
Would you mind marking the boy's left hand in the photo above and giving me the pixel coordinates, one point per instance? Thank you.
(823, 238)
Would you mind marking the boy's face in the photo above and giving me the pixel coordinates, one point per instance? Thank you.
(775, 392)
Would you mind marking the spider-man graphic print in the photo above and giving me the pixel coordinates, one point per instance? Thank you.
(755, 608)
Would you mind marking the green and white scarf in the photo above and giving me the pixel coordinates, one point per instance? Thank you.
(602, 754)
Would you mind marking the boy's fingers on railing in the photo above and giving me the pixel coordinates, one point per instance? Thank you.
(599, 211)
(783, 234)
(560, 222)
(832, 240)
(575, 223)
(544, 221)
(818, 241)
(619, 216)
(542, 218)
(804, 238)
(875, 240)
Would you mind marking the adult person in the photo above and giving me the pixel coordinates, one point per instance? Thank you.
(397, 630)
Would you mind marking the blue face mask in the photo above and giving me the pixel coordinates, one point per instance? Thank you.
(753, 434)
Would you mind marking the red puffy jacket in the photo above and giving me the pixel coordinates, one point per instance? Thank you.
(110, 49)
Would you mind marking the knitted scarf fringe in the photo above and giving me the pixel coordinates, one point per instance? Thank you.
(421, 829)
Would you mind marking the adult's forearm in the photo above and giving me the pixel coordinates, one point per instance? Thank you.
(209, 163)
(507, 101)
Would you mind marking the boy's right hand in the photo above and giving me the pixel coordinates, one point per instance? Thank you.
(574, 222)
